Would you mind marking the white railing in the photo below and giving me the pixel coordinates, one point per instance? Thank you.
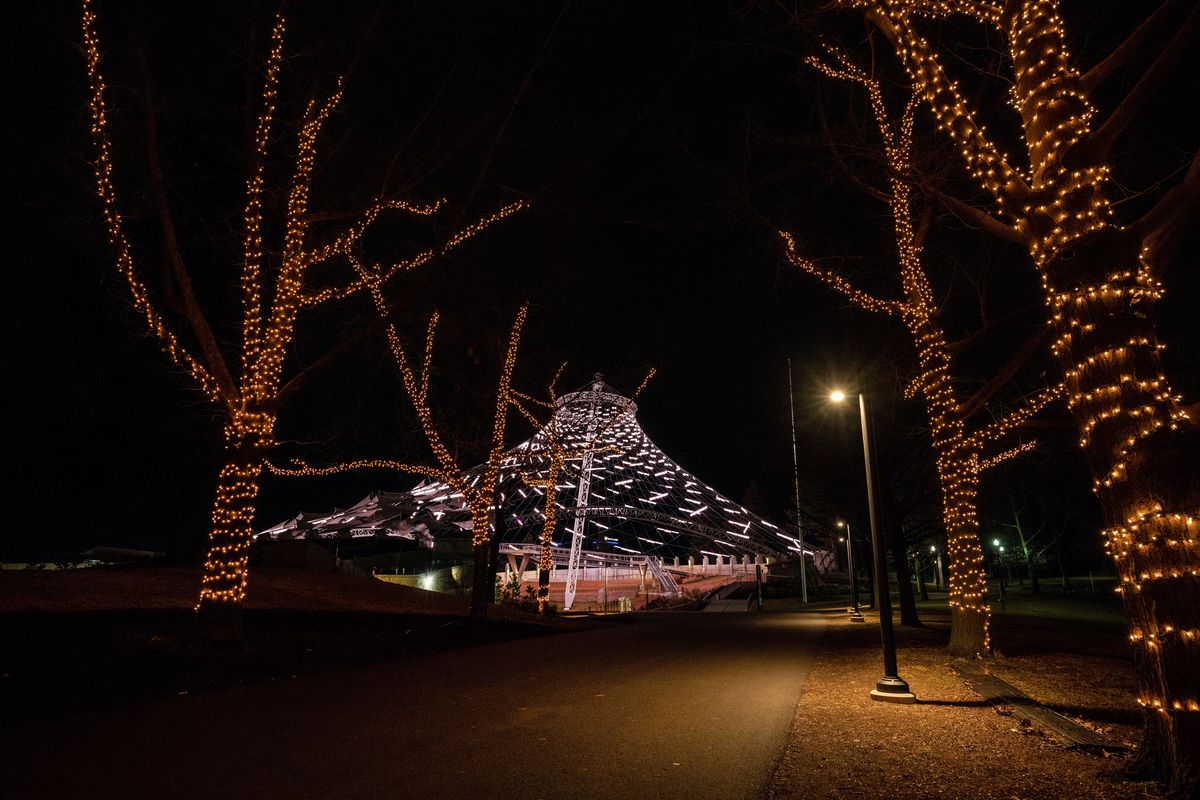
(592, 559)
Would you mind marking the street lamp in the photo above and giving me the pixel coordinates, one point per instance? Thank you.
(855, 614)
(1000, 573)
(938, 575)
(890, 687)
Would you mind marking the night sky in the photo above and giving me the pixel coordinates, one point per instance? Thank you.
(660, 146)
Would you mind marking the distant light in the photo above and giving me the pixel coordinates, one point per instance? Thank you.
(996, 542)
(933, 548)
(837, 395)
(841, 524)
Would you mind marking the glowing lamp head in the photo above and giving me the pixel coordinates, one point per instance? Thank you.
(841, 524)
(932, 548)
(841, 538)
(996, 542)
(837, 395)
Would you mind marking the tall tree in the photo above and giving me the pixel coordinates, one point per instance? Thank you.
(1101, 277)
(961, 452)
(249, 383)
(480, 495)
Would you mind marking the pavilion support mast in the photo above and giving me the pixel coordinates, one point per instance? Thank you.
(582, 496)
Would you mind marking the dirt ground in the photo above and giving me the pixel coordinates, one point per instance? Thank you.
(952, 743)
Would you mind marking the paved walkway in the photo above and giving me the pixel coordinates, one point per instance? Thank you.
(665, 706)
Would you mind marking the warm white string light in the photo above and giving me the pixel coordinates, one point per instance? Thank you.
(268, 329)
(960, 460)
(1099, 289)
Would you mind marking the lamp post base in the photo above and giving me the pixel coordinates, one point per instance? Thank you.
(856, 615)
(890, 689)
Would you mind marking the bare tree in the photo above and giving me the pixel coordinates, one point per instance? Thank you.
(248, 384)
(478, 491)
(1101, 277)
(961, 453)
(1033, 543)
(479, 494)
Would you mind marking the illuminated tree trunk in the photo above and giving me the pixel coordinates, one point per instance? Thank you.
(958, 476)
(1144, 463)
(543, 590)
(546, 554)
(1143, 458)
(969, 612)
(482, 586)
(248, 441)
(1137, 439)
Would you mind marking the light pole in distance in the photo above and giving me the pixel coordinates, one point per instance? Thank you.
(938, 575)
(855, 614)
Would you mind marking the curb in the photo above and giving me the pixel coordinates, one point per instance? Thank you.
(1030, 712)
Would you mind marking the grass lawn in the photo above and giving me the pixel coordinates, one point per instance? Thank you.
(81, 639)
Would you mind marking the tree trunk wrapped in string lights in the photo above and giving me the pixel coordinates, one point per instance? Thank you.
(960, 454)
(1101, 279)
(251, 401)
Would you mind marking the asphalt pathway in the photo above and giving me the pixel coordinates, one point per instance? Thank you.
(665, 706)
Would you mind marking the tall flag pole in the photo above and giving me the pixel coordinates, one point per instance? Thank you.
(796, 476)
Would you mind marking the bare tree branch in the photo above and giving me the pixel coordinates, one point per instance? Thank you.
(1032, 346)
(538, 60)
(1094, 148)
(184, 293)
(1163, 227)
(1129, 48)
(956, 347)
(973, 216)
(126, 266)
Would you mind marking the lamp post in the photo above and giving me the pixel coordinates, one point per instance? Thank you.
(937, 575)
(890, 687)
(855, 614)
(1000, 573)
